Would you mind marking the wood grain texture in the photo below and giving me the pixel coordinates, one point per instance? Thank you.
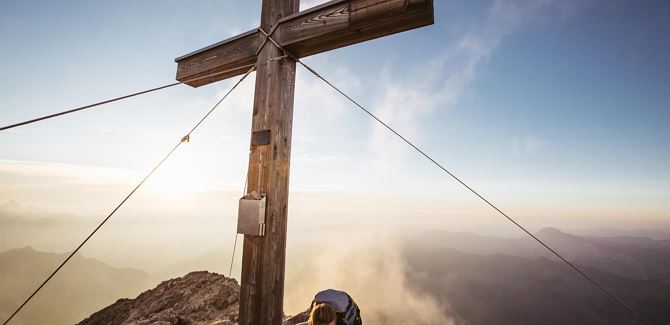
(329, 26)
(341, 23)
(229, 58)
(263, 259)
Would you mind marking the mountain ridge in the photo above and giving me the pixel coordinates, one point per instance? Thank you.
(470, 287)
(637, 258)
(82, 286)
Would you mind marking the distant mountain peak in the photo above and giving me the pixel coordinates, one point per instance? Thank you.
(26, 249)
(21, 250)
(11, 206)
(550, 232)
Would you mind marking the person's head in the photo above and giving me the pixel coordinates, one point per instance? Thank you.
(322, 314)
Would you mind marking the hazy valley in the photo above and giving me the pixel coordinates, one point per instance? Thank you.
(466, 278)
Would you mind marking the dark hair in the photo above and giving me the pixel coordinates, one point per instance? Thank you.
(322, 314)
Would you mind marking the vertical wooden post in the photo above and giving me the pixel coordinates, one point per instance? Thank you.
(262, 287)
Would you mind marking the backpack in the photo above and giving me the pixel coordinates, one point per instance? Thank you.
(345, 307)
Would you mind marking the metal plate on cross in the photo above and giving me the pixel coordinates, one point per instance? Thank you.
(251, 214)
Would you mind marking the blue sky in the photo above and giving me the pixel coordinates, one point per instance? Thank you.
(555, 110)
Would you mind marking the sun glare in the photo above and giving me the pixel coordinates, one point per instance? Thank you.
(177, 178)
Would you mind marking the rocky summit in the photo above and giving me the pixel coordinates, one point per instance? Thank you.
(198, 298)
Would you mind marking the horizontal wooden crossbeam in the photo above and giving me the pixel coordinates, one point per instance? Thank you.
(329, 26)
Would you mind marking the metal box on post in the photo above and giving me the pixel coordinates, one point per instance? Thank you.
(251, 215)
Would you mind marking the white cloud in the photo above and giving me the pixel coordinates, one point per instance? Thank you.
(321, 100)
(307, 158)
(441, 83)
(306, 4)
(375, 277)
(69, 172)
(528, 144)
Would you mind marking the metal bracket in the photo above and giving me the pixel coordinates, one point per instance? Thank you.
(251, 214)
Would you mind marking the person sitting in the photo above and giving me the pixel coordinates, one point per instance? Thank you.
(322, 314)
(333, 307)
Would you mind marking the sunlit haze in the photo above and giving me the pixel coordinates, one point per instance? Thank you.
(555, 111)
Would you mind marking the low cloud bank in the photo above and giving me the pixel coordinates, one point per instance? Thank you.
(372, 271)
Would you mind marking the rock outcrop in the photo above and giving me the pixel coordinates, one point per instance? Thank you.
(199, 298)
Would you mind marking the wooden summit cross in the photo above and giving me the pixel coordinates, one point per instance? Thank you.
(329, 26)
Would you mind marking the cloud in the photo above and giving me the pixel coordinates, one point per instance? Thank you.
(321, 100)
(528, 144)
(372, 271)
(306, 4)
(71, 173)
(442, 82)
(14, 214)
(307, 158)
